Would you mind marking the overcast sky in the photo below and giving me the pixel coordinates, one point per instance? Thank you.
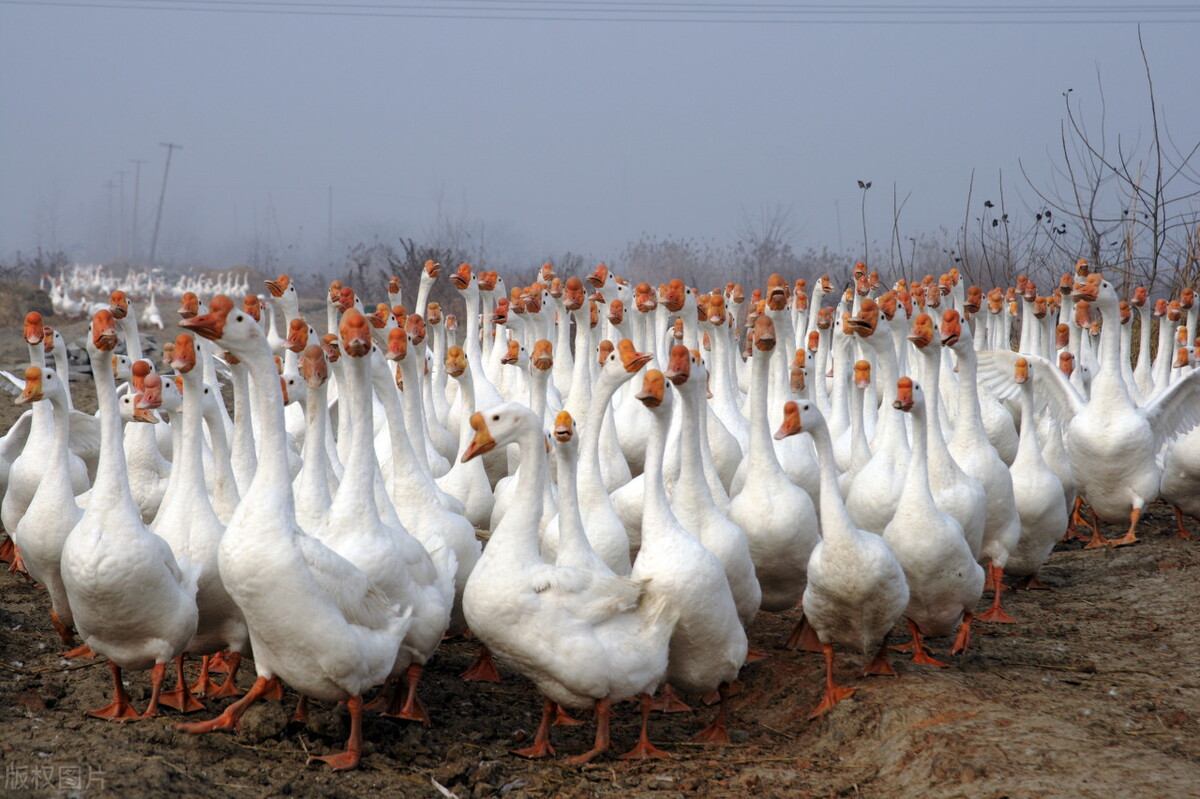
(546, 135)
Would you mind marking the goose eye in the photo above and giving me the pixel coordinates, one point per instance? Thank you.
(496, 418)
(239, 318)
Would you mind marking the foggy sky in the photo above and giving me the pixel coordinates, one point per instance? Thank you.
(539, 136)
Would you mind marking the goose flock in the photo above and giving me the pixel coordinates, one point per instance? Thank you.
(680, 461)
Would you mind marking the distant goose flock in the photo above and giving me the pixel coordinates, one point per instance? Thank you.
(603, 483)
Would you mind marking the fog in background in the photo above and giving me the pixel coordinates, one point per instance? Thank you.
(526, 130)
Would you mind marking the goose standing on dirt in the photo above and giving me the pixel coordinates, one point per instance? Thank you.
(131, 601)
(944, 581)
(856, 588)
(315, 620)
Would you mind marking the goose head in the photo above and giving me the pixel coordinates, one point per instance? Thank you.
(355, 331)
(574, 294)
(238, 332)
(456, 361)
(908, 395)
(974, 300)
(952, 331)
(279, 285)
(598, 277)
(118, 303)
(431, 270)
(543, 355)
(498, 427)
(1140, 295)
(625, 358)
(512, 356)
(1021, 371)
(433, 314)
(777, 292)
(189, 305)
(314, 368)
(130, 410)
(33, 386)
(397, 345)
(488, 280)
(862, 374)
(865, 322)
(797, 372)
(654, 394)
(799, 416)
(1093, 288)
(764, 334)
(679, 365)
(923, 331)
(564, 428)
(183, 354)
(148, 385)
(672, 295)
(1066, 362)
(34, 330)
(297, 335)
(616, 312)
(461, 278)
(253, 306)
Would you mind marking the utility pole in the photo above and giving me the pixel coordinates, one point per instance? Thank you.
(108, 230)
(121, 227)
(171, 147)
(137, 183)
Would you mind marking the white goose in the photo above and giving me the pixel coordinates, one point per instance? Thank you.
(1037, 492)
(131, 601)
(856, 588)
(315, 620)
(778, 517)
(52, 513)
(944, 581)
(1112, 442)
(708, 645)
(584, 637)
(187, 521)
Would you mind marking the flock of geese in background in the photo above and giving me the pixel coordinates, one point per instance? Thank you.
(875, 454)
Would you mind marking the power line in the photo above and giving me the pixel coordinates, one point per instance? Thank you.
(665, 12)
(171, 147)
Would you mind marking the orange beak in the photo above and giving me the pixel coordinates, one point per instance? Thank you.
(1022, 371)
(951, 328)
(564, 426)
(183, 355)
(356, 334)
(151, 396)
(679, 365)
(791, 422)
(33, 386)
(297, 338)
(118, 304)
(862, 374)
(653, 388)
(397, 349)
(278, 285)
(461, 277)
(922, 331)
(142, 414)
(34, 330)
(104, 331)
(482, 442)
(456, 361)
(631, 358)
(513, 354)
(904, 394)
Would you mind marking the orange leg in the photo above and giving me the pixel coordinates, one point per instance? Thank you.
(84, 651)
(300, 716)
(1183, 533)
(1129, 538)
(18, 565)
(712, 697)
(644, 749)
(964, 636)
(754, 655)
(347, 760)
(68, 639)
(483, 669)
(995, 614)
(412, 709)
(541, 746)
(833, 693)
(564, 719)
(119, 709)
(218, 664)
(8, 549)
(1096, 540)
(603, 714)
(718, 731)
(204, 686)
(181, 698)
(669, 702)
(274, 692)
(157, 675)
(229, 687)
(1077, 519)
(879, 665)
(229, 719)
(804, 637)
(920, 654)
(386, 698)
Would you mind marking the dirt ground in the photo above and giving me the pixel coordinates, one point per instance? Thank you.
(1095, 692)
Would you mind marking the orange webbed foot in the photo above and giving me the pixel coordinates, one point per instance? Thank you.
(668, 702)
(483, 669)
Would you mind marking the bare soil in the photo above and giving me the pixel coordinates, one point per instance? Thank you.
(1095, 692)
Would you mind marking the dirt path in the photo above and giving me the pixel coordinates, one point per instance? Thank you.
(1095, 692)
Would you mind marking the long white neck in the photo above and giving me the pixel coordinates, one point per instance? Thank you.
(112, 480)
(356, 492)
(762, 450)
(657, 517)
(313, 481)
(835, 520)
(517, 534)
(272, 476)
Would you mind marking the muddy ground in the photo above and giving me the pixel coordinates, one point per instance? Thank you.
(1095, 692)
